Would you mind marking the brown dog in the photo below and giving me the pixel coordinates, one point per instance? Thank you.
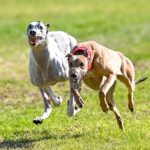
(99, 68)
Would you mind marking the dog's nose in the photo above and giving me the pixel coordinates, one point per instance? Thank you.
(32, 33)
(73, 76)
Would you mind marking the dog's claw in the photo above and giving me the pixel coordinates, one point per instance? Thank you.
(37, 121)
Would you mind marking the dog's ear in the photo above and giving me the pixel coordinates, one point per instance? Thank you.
(47, 25)
(85, 53)
(69, 55)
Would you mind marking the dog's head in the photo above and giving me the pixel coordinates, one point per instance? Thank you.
(37, 33)
(78, 67)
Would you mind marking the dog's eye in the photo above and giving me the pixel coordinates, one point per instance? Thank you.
(30, 26)
(81, 64)
(40, 27)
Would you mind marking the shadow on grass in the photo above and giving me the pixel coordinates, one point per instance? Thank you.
(25, 143)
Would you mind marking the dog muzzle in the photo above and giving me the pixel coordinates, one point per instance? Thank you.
(76, 80)
(35, 39)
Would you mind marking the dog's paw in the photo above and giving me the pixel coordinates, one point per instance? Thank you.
(72, 113)
(37, 121)
(131, 109)
(58, 100)
(105, 110)
(104, 107)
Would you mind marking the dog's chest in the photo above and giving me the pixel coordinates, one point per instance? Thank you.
(48, 68)
(92, 80)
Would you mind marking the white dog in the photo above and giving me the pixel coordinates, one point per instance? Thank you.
(48, 64)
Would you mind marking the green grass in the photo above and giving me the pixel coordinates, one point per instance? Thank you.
(120, 25)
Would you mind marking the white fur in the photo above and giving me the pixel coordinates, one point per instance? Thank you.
(48, 64)
(54, 67)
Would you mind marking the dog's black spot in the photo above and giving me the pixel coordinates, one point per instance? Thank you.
(76, 107)
(30, 26)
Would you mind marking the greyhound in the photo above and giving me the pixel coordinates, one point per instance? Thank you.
(47, 62)
(99, 68)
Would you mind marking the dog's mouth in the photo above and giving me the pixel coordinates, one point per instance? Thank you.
(76, 82)
(35, 40)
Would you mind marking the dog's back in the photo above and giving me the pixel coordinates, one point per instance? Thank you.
(64, 41)
(105, 61)
(108, 61)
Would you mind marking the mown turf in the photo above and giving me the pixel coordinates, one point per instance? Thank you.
(120, 25)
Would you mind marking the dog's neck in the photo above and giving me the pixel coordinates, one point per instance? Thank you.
(85, 52)
(41, 47)
(41, 57)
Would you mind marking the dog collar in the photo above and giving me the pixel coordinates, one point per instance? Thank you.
(75, 50)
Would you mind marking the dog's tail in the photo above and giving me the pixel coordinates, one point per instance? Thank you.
(141, 80)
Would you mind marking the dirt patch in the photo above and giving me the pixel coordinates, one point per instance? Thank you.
(143, 65)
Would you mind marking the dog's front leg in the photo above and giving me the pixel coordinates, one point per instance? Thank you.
(78, 98)
(72, 108)
(47, 105)
(106, 85)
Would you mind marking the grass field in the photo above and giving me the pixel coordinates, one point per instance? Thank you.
(119, 25)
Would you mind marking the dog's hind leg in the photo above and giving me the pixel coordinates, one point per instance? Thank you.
(113, 107)
(56, 100)
(130, 101)
(131, 87)
(106, 84)
(47, 105)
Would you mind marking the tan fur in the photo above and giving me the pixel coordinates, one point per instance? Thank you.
(107, 66)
